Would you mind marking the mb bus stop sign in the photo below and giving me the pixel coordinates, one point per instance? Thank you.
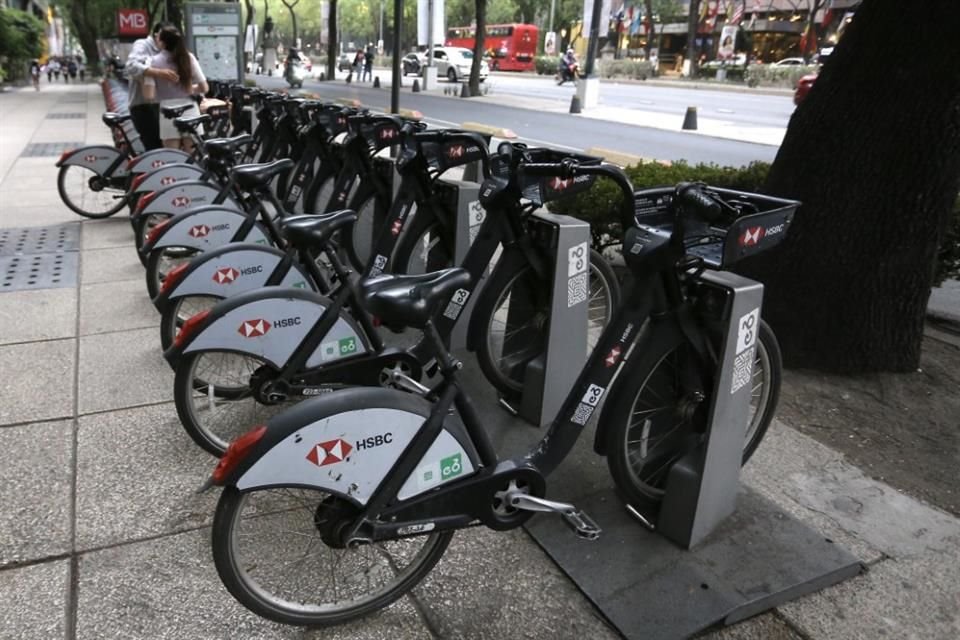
(214, 34)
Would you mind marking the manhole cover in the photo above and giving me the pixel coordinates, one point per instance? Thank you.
(41, 149)
(66, 116)
(41, 271)
(54, 239)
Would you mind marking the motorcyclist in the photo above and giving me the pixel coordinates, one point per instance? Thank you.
(568, 66)
(290, 66)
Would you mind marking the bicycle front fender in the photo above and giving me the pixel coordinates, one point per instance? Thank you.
(204, 228)
(270, 324)
(168, 174)
(510, 261)
(230, 270)
(156, 158)
(98, 158)
(181, 196)
(356, 435)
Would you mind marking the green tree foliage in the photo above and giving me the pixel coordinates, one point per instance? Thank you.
(21, 35)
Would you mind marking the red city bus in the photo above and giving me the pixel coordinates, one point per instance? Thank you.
(511, 47)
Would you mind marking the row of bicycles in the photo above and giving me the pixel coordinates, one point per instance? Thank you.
(282, 260)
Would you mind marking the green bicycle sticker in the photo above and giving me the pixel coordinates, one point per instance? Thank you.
(451, 466)
(338, 348)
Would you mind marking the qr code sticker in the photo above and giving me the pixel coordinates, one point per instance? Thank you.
(742, 370)
(582, 414)
(453, 310)
(577, 289)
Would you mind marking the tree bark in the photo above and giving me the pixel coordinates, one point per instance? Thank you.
(693, 24)
(86, 34)
(648, 6)
(293, 19)
(332, 40)
(874, 155)
(478, 45)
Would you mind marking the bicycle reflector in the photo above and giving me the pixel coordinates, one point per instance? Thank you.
(138, 181)
(190, 327)
(63, 156)
(145, 199)
(156, 231)
(173, 277)
(236, 452)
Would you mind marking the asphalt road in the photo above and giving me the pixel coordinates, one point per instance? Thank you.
(561, 129)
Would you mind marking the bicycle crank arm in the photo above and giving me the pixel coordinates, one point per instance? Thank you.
(580, 522)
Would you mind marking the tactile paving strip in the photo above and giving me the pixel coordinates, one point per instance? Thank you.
(54, 239)
(40, 271)
(65, 116)
(39, 257)
(41, 149)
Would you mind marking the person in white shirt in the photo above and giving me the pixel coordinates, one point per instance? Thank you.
(174, 55)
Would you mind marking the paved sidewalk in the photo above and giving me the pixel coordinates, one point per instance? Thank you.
(102, 535)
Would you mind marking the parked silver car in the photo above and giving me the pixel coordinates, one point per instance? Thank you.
(454, 63)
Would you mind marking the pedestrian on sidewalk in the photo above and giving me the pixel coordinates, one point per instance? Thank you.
(72, 68)
(55, 65)
(358, 63)
(368, 57)
(174, 55)
(35, 74)
(146, 115)
(81, 69)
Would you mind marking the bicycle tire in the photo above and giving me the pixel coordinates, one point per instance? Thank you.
(173, 315)
(228, 534)
(192, 389)
(424, 247)
(157, 268)
(319, 195)
(142, 226)
(69, 200)
(361, 233)
(649, 388)
(506, 372)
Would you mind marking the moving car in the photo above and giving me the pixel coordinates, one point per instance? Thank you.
(346, 60)
(454, 63)
(803, 87)
(789, 62)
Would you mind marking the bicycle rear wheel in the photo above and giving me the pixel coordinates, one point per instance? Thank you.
(425, 247)
(654, 421)
(514, 327)
(177, 311)
(86, 192)
(270, 547)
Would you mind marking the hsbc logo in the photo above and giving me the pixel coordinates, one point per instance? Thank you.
(286, 322)
(180, 201)
(168, 180)
(254, 328)
(157, 163)
(455, 152)
(90, 158)
(396, 227)
(559, 184)
(199, 231)
(246, 271)
(388, 133)
(751, 236)
(613, 356)
(329, 452)
(225, 275)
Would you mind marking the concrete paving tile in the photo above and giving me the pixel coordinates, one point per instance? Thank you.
(137, 476)
(30, 197)
(37, 381)
(39, 314)
(168, 588)
(916, 598)
(114, 231)
(36, 216)
(111, 265)
(35, 491)
(34, 601)
(116, 306)
(491, 584)
(763, 627)
(20, 180)
(833, 491)
(124, 369)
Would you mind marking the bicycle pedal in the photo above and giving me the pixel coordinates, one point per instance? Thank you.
(582, 524)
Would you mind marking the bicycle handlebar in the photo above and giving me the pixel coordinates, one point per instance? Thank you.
(692, 198)
(571, 168)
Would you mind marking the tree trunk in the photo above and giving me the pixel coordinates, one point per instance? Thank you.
(874, 155)
(332, 41)
(248, 59)
(478, 45)
(87, 35)
(648, 6)
(693, 24)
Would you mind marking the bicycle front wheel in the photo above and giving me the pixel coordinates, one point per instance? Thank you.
(88, 193)
(654, 421)
(274, 551)
(177, 311)
(515, 326)
(214, 395)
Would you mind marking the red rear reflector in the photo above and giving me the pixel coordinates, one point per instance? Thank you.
(173, 276)
(376, 321)
(157, 230)
(138, 181)
(145, 199)
(236, 452)
(63, 156)
(190, 327)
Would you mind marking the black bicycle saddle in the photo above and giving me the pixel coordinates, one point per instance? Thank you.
(257, 176)
(313, 231)
(410, 301)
